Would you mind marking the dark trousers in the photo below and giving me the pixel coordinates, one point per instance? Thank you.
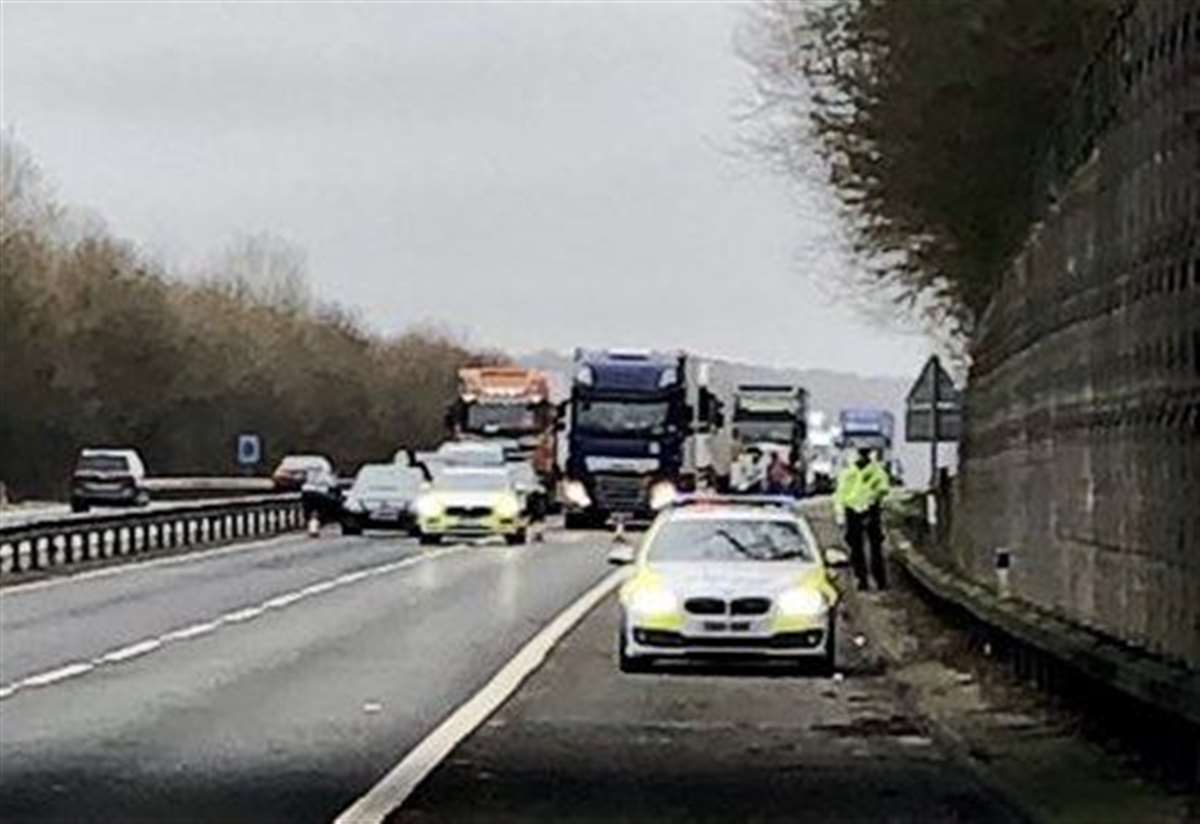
(860, 525)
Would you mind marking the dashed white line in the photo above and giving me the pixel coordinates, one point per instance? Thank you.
(53, 676)
(193, 631)
(130, 651)
(236, 616)
(245, 614)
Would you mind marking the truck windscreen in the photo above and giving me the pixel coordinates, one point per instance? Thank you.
(763, 431)
(500, 418)
(621, 417)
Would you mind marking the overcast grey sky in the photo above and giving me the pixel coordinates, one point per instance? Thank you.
(536, 176)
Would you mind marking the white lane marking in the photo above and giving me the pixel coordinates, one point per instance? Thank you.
(281, 601)
(55, 675)
(235, 616)
(130, 651)
(245, 614)
(392, 790)
(191, 556)
(193, 631)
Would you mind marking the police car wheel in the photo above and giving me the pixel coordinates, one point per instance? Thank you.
(516, 539)
(351, 528)
(430, 540)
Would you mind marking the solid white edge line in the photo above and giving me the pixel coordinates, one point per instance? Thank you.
(395, 787)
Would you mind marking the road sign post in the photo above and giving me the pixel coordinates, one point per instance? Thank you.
(933, 411)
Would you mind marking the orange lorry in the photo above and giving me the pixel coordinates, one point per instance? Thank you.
(510, 405)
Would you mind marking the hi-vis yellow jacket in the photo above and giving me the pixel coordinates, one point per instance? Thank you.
(860, 489)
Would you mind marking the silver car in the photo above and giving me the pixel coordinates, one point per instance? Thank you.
(722, 577)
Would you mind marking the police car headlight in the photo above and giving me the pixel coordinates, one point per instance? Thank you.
(354, 505)
(584, 376)
(508, 507)
(662, 495)
(801, 601)
(654, 601)
(429, 508)
(576, 493)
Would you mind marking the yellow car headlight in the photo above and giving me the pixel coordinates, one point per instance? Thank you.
(508, 507)
(429, 507)
(653, 601)
(801, 601)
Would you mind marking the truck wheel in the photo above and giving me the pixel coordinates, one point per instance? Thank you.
(517, 538)
(351, 528)
(576, 520)
(430, 540)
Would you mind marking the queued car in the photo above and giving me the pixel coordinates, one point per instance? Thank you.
(108, 477)
(383, 496)
(470, 453)
(471, 502)
(720, 577)
(296, 470)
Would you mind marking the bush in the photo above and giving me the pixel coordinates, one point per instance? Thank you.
(99, 347)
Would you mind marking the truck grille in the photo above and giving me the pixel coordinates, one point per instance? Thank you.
(620, 492)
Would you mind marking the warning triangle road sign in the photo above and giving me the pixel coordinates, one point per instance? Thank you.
(922, 390)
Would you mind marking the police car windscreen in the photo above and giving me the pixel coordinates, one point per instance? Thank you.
(734, 539)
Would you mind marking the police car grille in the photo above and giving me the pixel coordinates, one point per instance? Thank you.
(750, 606)
(705, 606)
(469, 511)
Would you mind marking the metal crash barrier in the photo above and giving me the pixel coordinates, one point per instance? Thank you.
(64, 540)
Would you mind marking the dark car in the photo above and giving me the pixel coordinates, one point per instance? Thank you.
(108, 477)
(383, 496)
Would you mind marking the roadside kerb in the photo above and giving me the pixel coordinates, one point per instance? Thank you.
(53, 542)
(1173, 689)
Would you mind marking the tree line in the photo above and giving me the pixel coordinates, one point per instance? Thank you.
(929, 118)
(100, 346)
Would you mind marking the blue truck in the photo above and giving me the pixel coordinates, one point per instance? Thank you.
(874, 429)
(641, 427)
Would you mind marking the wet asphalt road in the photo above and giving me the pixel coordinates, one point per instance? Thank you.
(299, 672)
(581, 741)
(278, 681)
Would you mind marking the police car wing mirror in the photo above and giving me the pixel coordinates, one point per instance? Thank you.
(835, 557)
(621, 552)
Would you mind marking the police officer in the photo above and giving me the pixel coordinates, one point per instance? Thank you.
(861, 487)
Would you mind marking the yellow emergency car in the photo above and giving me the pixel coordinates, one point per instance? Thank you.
(471, 503)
